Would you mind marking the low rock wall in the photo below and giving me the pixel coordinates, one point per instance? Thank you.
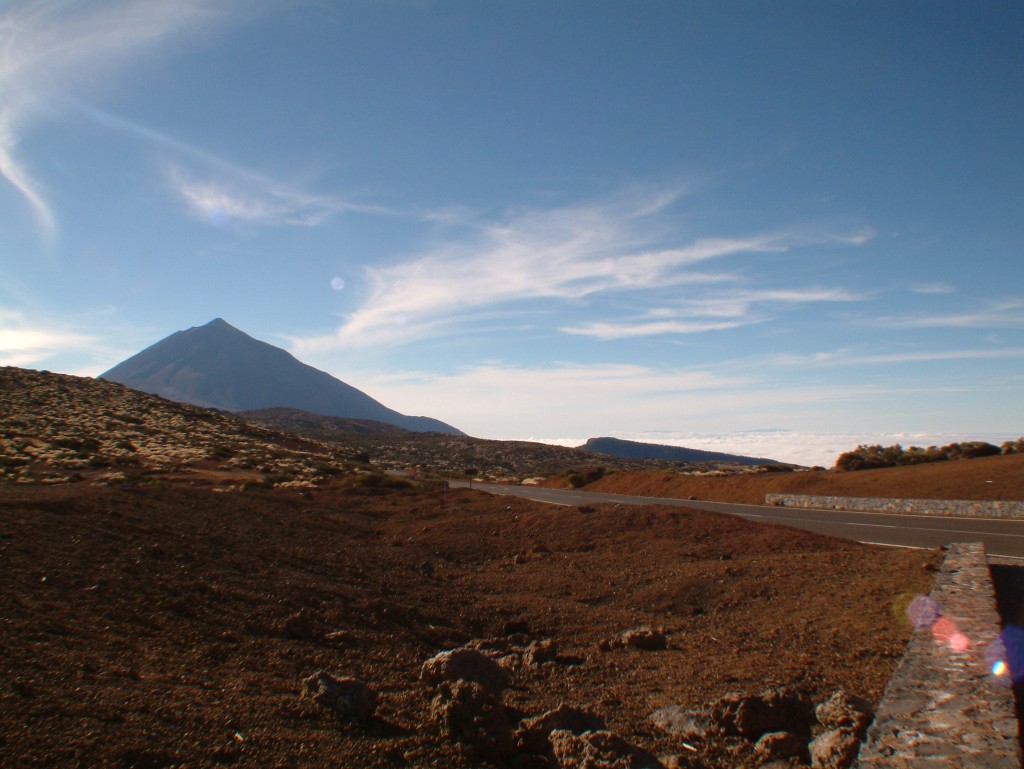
(964, 507)
(949, 705)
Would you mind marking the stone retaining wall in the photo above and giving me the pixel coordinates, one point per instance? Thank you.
(949, 705)
(964, 507)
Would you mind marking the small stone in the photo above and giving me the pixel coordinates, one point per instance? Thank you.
(644, 638)
(845, 710)
(540, 652)
(350, 698)
(775, 745)
(532, 736)
(834, 750)
(683, 722)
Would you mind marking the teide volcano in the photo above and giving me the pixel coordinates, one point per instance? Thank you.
(218, 366)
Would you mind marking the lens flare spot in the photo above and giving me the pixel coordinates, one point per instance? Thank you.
(923, 611)
(337, 283)
(1000, 668)
(218, 216)
(943, 630)
(959, 642)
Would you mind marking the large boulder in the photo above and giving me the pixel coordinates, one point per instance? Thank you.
(465, 664)
(598, 750)
(350, 698)
(469, 714)
(532, 735)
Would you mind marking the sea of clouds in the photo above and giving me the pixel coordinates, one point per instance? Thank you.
(798, 448)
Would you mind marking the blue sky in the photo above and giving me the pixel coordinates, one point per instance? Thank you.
(780, 228)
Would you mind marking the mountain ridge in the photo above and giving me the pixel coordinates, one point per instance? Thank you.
(617, 447)
(218, 366)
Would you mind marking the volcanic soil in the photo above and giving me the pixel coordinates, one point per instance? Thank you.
(162, 625)
(984, 478)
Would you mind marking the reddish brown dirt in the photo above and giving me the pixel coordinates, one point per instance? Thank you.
(999, 477)
(144, 627)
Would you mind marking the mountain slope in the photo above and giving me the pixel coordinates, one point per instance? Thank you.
(218, 366)
(617, 447)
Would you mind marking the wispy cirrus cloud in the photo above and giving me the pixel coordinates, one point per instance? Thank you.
(995, 315)
(220, 192)
(847, 357)
(563, 254)
(241, 198)
(728, 310)
(53, 51)
(932, 288)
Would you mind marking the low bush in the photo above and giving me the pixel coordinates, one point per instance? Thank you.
(871, 457)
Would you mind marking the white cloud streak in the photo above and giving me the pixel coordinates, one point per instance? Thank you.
(568, 253)
(846, 358)
(25, 344)
(51, 51)
(996, 315)
(736, 308)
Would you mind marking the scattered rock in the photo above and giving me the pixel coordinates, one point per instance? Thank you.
(540, 652)
(598, 750)
(834, 750)
(787, 709)
(465, 664)
(470, 714)
(683, 722)
(300, 626)
(343, 638)
(845, 710)
(777, 745)
(532, 736)
(685, 761)
(349, 697)
(643, 638)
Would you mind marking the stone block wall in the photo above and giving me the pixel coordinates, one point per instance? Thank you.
(968, 508)
(950, 704)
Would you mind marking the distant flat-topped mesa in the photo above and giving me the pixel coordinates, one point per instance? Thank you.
(218, 366)
(617, 447)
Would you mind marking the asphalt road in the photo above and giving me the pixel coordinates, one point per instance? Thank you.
(1002, 538)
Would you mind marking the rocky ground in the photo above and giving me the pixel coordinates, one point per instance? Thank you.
(56, 428)
(161, 625)
(180, 588)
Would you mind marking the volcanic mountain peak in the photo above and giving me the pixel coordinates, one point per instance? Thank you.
(219, 366)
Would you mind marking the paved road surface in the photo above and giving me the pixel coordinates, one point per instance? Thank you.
(1003, 538)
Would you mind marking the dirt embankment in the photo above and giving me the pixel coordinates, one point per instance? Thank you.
(986, 478)
(167, 626)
